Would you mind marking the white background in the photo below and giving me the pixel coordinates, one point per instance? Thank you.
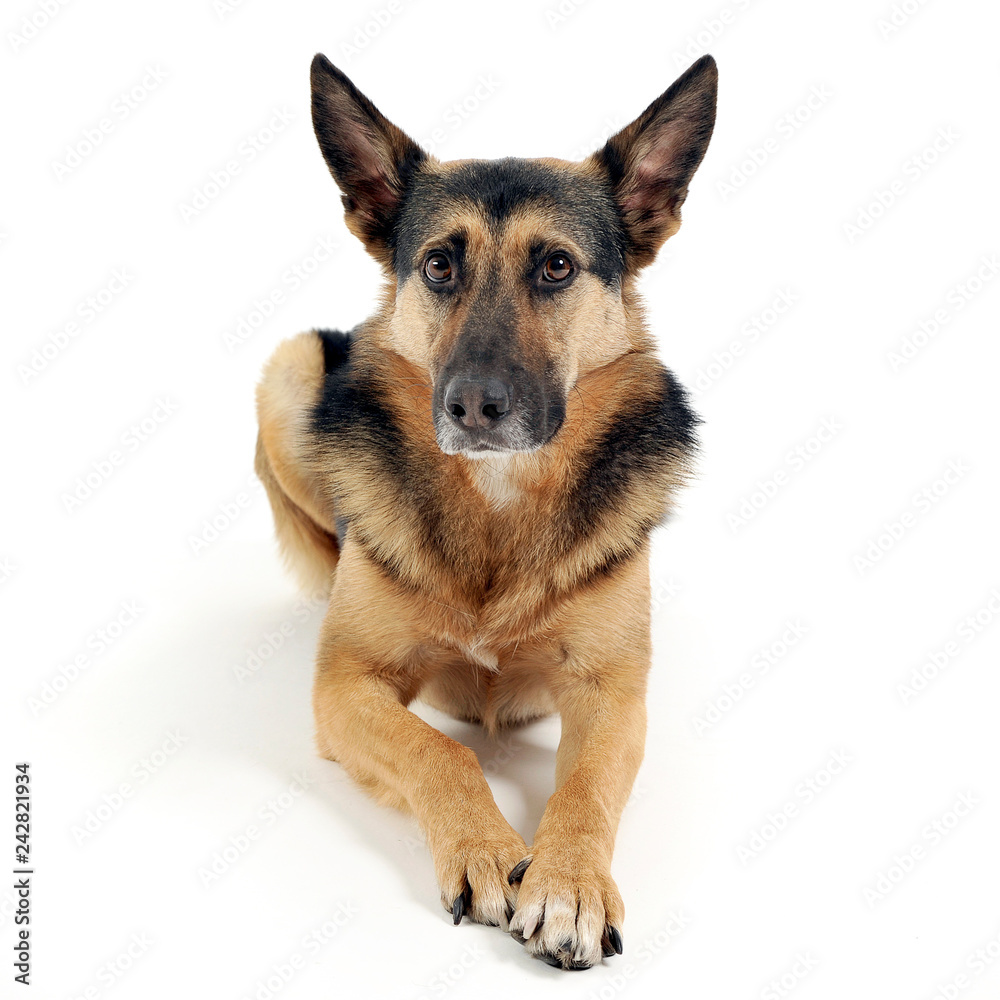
(816, 447)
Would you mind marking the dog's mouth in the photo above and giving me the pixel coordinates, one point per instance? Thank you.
(509, 440)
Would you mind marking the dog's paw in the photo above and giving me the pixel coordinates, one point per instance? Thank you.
(568, 910)
(473, 875)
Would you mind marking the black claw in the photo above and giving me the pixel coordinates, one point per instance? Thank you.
(518, 873)
(459, 907)
(616, 939)
(566, 962)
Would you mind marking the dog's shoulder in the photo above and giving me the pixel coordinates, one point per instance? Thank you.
(336, 349)
(657, 423)
(632, 467)
(351, 406)
(336, 401)
(649, 429)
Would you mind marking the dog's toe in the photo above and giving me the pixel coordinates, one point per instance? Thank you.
(567, 912)
(473, 876)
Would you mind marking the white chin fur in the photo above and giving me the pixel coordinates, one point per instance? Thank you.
(496, 452)
(449, 448)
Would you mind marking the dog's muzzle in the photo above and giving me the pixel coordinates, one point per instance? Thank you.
(476, 413)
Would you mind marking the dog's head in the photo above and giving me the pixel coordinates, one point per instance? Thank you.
(509, 273)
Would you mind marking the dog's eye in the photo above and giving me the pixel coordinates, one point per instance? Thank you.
(437, 267)
(558, 267)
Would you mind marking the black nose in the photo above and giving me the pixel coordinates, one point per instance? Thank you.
(477, 402)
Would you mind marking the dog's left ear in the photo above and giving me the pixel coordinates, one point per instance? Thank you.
(370, 158)
(650, 162)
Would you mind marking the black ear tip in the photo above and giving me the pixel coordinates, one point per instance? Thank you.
(322, 70)
(704, 68)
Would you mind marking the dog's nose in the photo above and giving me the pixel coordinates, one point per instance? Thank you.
(477, 402)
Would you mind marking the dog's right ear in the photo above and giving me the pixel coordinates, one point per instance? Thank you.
(370, 159)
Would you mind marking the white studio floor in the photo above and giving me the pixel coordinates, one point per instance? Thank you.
(818, 812)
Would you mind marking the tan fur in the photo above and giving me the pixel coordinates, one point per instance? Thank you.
(303, 522)
(538, 644)
(497, 587)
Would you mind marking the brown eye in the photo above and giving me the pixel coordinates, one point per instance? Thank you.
(437, 267)
(558, 267)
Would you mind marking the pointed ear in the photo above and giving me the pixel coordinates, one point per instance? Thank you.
(650, 162)
(369, 157)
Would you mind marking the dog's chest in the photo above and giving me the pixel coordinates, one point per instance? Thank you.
(498, 478)
(479, 654)
(492, 547)
(502, 593)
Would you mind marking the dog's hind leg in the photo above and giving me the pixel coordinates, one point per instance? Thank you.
(303, 520)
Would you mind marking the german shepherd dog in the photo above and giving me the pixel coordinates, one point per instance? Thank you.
(474, 473)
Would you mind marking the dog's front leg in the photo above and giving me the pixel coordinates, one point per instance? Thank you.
(360, 700)
(569, 911)
(363, 724)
